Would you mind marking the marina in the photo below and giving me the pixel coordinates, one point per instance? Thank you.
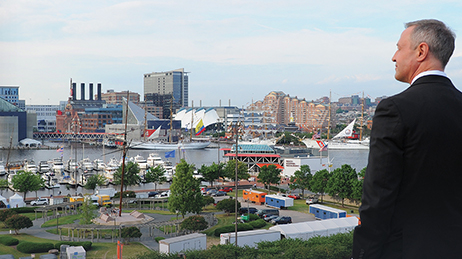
(67, 184)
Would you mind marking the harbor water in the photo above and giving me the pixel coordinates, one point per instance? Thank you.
(356, 158)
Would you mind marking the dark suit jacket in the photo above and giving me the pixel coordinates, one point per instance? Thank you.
(412, 191)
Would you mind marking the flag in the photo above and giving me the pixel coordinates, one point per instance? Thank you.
(200, 127)
(316, 135)
(61, 149)
(322, 146)
(170, 154)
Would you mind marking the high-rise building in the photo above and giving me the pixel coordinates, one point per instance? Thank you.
(160, 88)
(112, 97)
(10, 94)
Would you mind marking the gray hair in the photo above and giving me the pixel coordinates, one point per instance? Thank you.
(440, 38)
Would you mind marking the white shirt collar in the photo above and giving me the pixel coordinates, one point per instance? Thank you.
(429, 72)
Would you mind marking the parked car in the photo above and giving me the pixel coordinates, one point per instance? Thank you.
(262, 212)
(245, 210)
(312, 200)
(211, 191)
(39, 201)
(294, 196)
(226, 189)
(281, 220)
(165, 194)
(269, 217)
(152, 194)
(219, 193)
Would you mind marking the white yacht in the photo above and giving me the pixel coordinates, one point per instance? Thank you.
(153, 160)
(86, 165)
(99, 165)
(57, 165)
(30, 166)
(43, 167)
(2, 169)
(141, 161)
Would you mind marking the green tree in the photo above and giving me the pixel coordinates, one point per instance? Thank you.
(301, 179)
(318, 183)
(18, 222)
(27, 181)
(242, 170)
(340, 184)
(194, 223)
(94, 180)
(228, 205)
(87, 211)
(131, 176)
(358, 186)
(208, 200)
(185, 191)
(130, 232)
(3, 185)
(4, 214)
(155, 175)
(212, 173)
(268, 175)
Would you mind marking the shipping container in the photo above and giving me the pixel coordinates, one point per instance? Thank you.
(324, 212)
(250, 238)
(194, 241)
(254, 196)
(279, 201)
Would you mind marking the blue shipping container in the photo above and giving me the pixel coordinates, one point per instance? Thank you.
(279, 201)
(324, 212)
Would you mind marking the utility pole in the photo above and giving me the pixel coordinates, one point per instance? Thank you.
(123, 157)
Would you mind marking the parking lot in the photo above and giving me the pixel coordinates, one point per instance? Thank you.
(295, 215)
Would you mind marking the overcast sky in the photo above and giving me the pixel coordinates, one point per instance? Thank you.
(234, 50)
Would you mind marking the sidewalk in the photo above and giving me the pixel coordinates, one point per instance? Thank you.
(148, 241)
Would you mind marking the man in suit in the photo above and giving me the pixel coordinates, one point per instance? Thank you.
(412, 191)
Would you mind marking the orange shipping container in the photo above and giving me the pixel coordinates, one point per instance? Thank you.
(254, 196)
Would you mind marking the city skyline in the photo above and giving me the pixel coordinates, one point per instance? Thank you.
(238, 50)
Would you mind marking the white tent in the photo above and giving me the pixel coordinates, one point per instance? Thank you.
(4, 200)
(309, 229)
(17, 201)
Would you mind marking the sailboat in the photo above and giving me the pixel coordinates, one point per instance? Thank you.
(340, 141)
(152, 144)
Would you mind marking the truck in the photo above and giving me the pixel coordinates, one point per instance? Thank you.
(184, 243)
(250, 238)
(254, 196)
(106, 191)
(279, 201)
(76, 199)
(101, 200)
(324, 212)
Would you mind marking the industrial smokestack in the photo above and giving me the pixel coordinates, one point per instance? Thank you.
(99, 91)
(82, 91)
(91, 92)
(74, 91)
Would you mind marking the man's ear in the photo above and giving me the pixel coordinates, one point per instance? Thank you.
(422, 51)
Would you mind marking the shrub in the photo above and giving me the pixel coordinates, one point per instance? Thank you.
(194, 223)
(8, 241)
(24, 209)
(130, 232)
(228, 205)
(253, 217)
(159, 238)
(29, 247)
(230, 228)
(4, 214)
(127, 194)
(18, 222)
(208, 200)
(86, 244)
(258, 223)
